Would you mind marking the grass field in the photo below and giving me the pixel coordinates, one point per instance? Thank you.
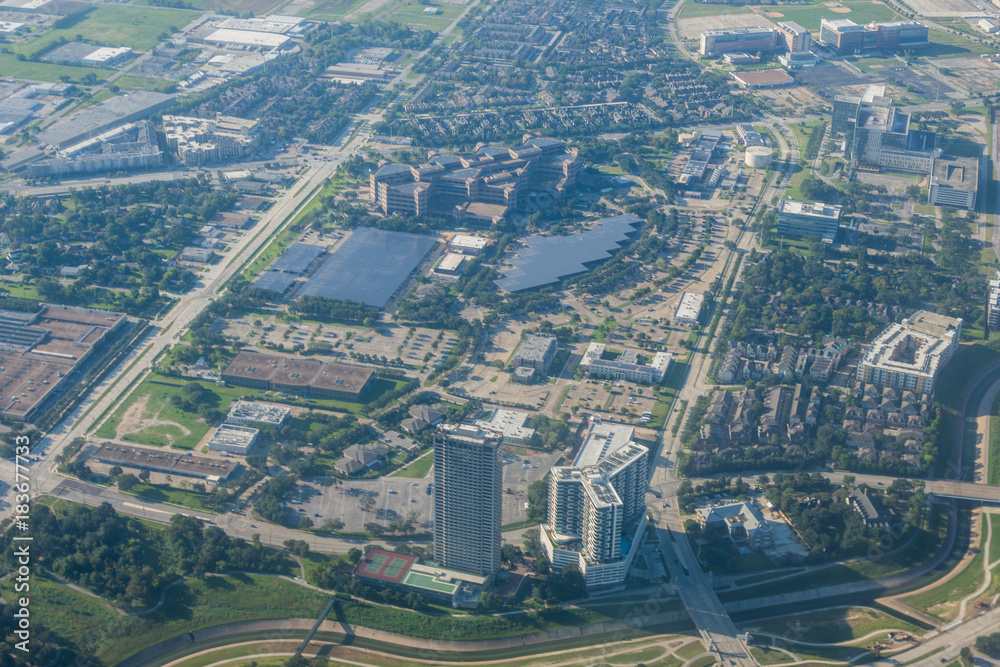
(332, 9)
(166, 494)
(135, 27)
(941, 602)
(177, 428)
(173, 427)
(947, 45)
(862, 11)
(831, 626)
(32, 71)
(418, 469)
(414, 14)
(94, 626)
(993, 460)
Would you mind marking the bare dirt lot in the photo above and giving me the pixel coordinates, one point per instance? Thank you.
(973, 74)
(931, 8)
(691, 28)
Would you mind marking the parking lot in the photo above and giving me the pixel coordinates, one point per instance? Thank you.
(395, 497)
(415, 346)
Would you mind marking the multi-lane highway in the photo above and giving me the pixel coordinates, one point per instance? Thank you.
(168, 331)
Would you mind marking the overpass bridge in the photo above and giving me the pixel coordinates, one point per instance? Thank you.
(963, 490)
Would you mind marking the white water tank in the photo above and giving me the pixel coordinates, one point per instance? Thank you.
(758, 157)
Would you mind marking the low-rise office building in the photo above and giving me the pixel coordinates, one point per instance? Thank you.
(252, 413)
(626, 367)
(537, 352)
(302, 377)
(169, 463)
(689, 309)
(233, 439)
(954, 182)
(803, 219)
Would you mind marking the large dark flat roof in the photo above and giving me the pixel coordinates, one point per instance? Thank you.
(274, 281)
(140, 457)
(547, 259)
(296, 372)
(369, 266)
(298, 258)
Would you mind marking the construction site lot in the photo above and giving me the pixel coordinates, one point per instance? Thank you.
(251, 7)
(690, 29)
(973, 73)
(320, 499)
(417, 347)
(791, 101)
(943, 8)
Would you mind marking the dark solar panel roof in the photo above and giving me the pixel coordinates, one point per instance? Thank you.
(298, 258)
(274, 281)
(369, 266)
(547, 259)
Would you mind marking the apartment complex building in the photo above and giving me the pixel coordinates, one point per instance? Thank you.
(597, 507)
(204, 140)
(910, 355)
(468, 475)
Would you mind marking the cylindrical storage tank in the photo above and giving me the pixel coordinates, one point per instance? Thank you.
(759, 157)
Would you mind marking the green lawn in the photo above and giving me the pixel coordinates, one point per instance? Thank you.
(993, 461)
(183, 430)
(942, 601)
(94, 627)
(332, 9)
(947, 45)
(415, 17)
(140, 28)
(32, 71)
(165, 494)
(417, 469)
(831, 626)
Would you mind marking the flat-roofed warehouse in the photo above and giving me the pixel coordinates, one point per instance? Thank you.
(171, 463)
(103, 116)
(39, 351)
(303, 377)
(251, 38)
